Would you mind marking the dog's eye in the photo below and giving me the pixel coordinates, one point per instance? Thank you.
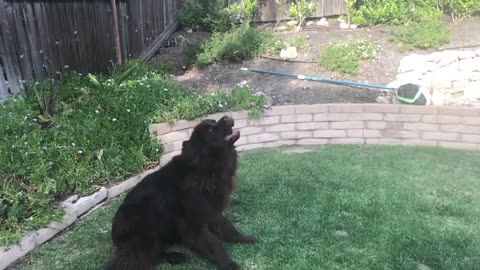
(210, 129)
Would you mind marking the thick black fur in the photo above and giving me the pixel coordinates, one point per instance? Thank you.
(183, 202)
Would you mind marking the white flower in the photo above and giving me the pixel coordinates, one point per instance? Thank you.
(128, 110)
(80, 151)
(114, 119)
(96, 111)
(73, 144)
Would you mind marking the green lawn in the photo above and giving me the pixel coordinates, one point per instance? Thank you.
(338, 207)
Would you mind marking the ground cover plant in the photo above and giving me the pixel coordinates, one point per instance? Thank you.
(97, 135)
(340, 207)
(344, 56)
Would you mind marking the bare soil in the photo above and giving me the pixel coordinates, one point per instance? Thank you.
(282, 90)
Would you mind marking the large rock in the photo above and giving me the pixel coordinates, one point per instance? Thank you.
(410, 63)
(289, 53)
(448, 57)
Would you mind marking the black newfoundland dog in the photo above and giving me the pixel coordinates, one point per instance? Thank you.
(183, 202)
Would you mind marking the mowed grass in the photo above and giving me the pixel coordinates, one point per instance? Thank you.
(338, 207)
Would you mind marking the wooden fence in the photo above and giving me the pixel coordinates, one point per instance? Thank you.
(270, 11)
(41, 38)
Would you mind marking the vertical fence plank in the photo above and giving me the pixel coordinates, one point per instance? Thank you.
(10, 63)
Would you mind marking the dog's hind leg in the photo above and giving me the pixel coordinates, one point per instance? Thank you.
(174, 258)
(226, 231)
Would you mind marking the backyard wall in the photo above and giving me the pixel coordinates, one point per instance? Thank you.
(450, 127)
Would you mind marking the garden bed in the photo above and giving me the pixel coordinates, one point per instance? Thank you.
(283, 91)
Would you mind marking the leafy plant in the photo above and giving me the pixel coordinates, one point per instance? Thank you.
(424, 35)
(241, 43)
(300, 42)
(204, 15)
(460, 9)
(300, 10)
(242, 11)
(46, 104)
(345, 56)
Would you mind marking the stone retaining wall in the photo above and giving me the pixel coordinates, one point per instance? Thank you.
(451, 127)
(446, 78)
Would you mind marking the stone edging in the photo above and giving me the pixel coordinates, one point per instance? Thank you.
(450, 127)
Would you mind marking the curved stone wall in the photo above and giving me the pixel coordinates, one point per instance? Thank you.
(450, 127)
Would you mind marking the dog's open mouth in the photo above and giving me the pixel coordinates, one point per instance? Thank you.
(233, 136)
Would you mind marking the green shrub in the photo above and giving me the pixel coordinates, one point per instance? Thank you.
(241, 43)
(98, 135)
(460, 9)
(300, 10)
(345, 56)
(372, 12)
(422, 35)
(300, 42)
(204, 15)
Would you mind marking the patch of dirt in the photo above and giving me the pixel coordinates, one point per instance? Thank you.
(282, 90)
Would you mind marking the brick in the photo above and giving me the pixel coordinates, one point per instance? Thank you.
(347, 141)
(365, 116)
(296, 118)
(239, 115)
(381, 108)
(474, 121)
(450, 128)
(279, 143)
(312, 126)
(167, 157)
(184, 124)
(329, 133)
(168, 147)
(345, 108)
(370, 133)
(250, 130)
(383, 141)
(173, 136)
(178, 145)
(241, 123)
(402, 117)
(322, 117)
(457, 145)
(260, 138)
(316, 108)
(459, 111)
(251, 146)
(267, 120)
(469, 138)
(281, 110)
(440, 136)
(355, 133)
(471, 129)
(419, 142)
(420, 126)
(441, 119)
(280, 127)
(241, 141)
(296, 134)
(400, 134)
(160, 129)
(347, 125)
(384, 125)
(312, 141)
(414, 109)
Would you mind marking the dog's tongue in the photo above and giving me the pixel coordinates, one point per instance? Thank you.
(233, 137)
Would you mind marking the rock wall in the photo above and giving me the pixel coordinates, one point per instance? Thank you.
(449, 77)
